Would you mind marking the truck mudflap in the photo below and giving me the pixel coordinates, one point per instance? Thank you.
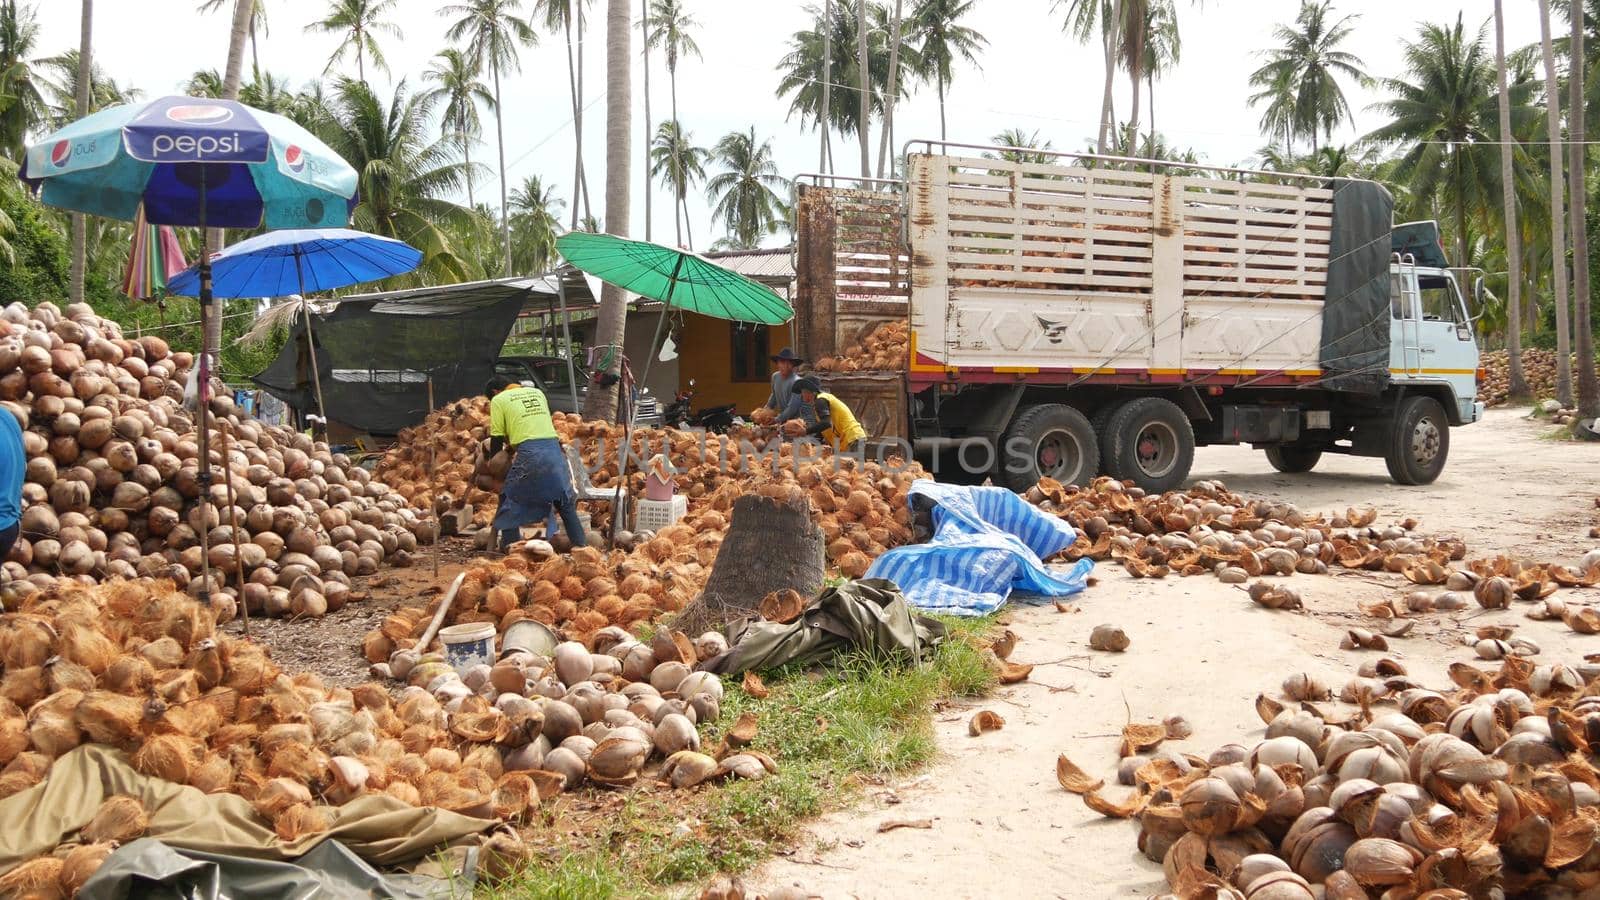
(1471, 411)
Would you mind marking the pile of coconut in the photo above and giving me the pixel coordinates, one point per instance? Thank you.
(113, 484)
(141, 667)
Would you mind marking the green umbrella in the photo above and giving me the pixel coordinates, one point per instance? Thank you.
(675, 277)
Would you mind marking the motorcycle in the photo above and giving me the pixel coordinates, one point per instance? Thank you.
(679, 414)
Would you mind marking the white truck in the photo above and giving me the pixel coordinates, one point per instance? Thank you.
(1089, 314)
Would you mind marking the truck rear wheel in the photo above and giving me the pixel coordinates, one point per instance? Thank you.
(1419, 441)
(1293, 459)
(1149, 441)
(1049, 440)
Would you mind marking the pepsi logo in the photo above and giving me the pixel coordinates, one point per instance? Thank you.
(60, 153)
(200, 114)
(295, 158)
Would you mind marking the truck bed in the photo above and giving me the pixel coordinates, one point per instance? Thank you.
(1026, 268)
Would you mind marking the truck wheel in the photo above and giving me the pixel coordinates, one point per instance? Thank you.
(1099, 421)
(1293, 459)
(1419, 441)
(1049, 440)
(1150, 442)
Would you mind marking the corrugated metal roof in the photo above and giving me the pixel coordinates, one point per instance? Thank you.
(772, 264)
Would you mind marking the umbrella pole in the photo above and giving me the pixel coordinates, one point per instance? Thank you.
(202, 403)
(433, 479)
(566, 338)
(233, 523)
(633, 407)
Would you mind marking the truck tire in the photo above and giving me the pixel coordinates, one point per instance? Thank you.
(1052, 440)
(1419, 441)
(1099, 421)
(1150, 442)
(1293, 459)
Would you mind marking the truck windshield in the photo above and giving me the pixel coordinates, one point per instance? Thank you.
(553, 375)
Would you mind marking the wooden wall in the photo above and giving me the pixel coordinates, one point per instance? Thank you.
(705, 353)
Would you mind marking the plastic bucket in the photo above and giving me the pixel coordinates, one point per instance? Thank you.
(468, 645)
(656, 489)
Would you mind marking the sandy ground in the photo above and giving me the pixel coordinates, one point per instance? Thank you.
(1000, 825)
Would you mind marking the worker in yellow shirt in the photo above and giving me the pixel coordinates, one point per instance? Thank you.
(813, 411)
(539, 479)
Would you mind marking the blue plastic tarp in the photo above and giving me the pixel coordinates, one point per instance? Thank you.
(987, 542)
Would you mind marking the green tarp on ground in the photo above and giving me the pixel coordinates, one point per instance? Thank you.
(868, 614)
(150, 870)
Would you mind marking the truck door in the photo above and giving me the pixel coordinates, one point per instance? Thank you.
(1448, 350)
(1405, 348)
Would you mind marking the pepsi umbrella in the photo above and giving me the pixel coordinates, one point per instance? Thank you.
(199, 162)
(300, 261)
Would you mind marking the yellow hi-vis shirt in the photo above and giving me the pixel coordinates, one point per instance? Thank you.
(846, 430)
(520, 414)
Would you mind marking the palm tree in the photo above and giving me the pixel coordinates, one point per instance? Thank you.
(493, 30)
(535, 220)
(941, 40)
(20, 85)
(671, 29)
(258, 23)
(60, 81)
(1443, 116)
(612, 315)
(825, 26)
(269, 93)
(679, 164)
(358, 23)
(863, 87)
(405, 178)
(1163, 48)
(1588, 386)
(1085, 19)
(204, 83)
(1517, 384)
(649, 192)
(1558, 210)
(1308, 65)
(805, 69)
(564, 16)
(1025, 147)
(745, 194)
(81, 102)
(458, 92)
(892, 95)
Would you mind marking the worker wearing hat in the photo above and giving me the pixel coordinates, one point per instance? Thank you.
(540, 479)
(812, 411)
(783, 380)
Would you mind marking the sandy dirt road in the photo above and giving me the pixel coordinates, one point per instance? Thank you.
(1001, 826)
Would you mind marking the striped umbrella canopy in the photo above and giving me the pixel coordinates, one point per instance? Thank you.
(153, 258)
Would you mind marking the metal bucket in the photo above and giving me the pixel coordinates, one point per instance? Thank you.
(528, 636)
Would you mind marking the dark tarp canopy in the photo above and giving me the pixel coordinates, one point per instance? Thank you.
(376, 352)
(1355, 311)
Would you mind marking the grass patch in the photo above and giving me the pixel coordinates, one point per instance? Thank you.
(831, 731)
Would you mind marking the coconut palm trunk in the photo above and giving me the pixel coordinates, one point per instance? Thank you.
(825, 121)
(577, 120)
(1518, 386)
(863, 89)
(1136, 75)
(80, 226)
(232, 75)
(612, 316)
(500, 141)
(466, 157)
(644, 32)
(1558, 212)
(894, 87)
(1106, 114)
(1588, 386)
(1458, 177)
(583, 174)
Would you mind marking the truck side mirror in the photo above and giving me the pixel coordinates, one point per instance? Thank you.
(1479, 291)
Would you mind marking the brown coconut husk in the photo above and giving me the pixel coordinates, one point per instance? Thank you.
(168, 756)
(107, 717)
(120, 818)
(300, 820)
(79, 865)
(35, 879)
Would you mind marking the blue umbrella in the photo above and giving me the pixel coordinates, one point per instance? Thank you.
(300, 261)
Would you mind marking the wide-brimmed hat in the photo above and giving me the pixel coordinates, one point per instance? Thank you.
(809, 383)
(787, 354)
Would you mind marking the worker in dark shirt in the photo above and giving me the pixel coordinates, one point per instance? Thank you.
(539, 478)
(13, 464)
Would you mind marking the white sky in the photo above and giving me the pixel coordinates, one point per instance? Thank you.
(1033, 76)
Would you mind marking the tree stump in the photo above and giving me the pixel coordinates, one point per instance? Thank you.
(770, 545)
